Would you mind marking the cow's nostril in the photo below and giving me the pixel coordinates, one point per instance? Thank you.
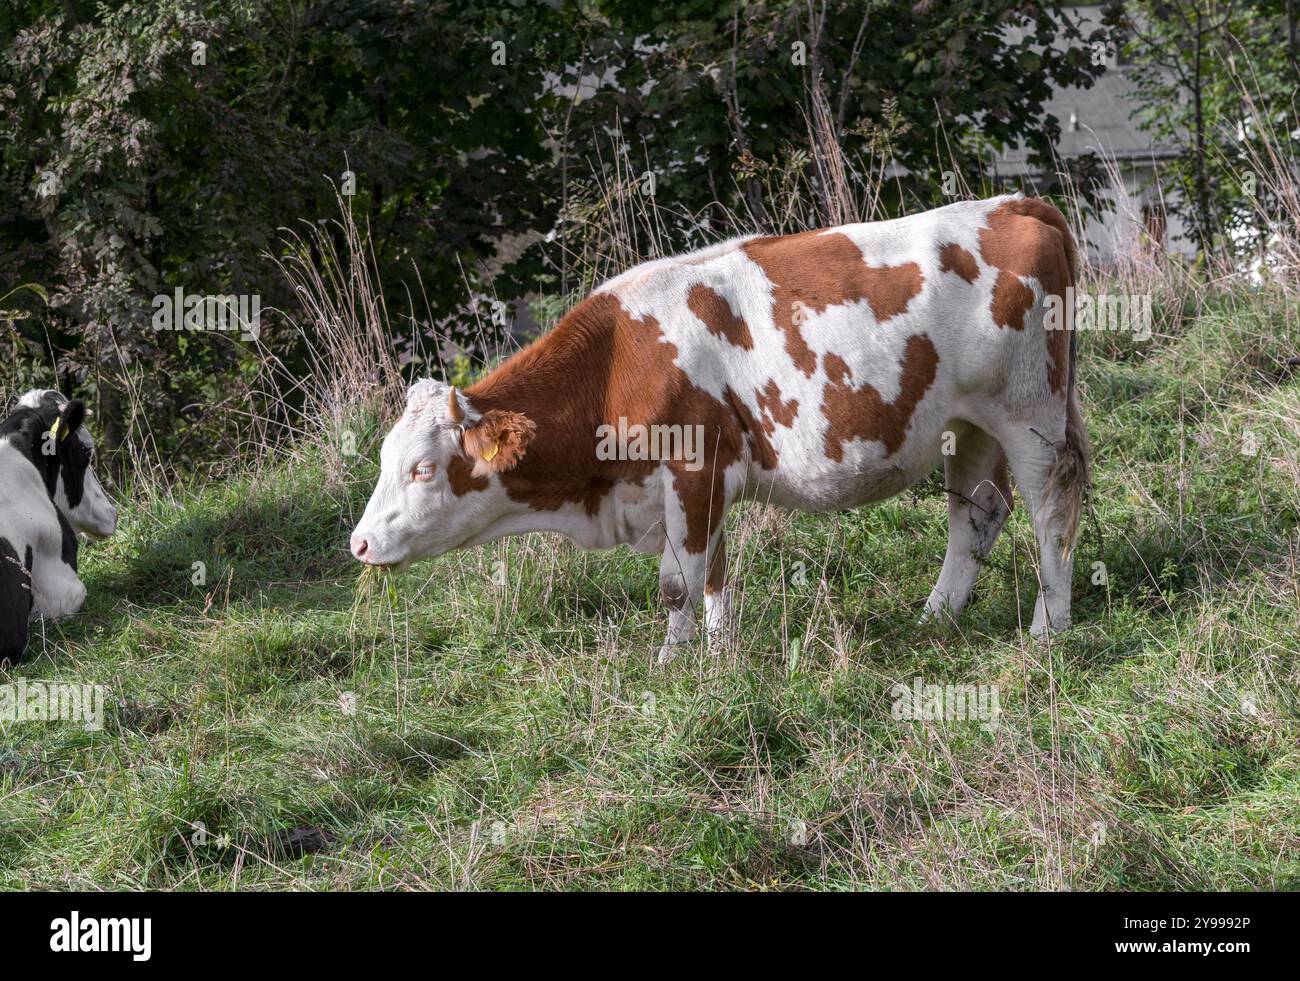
(359, 546)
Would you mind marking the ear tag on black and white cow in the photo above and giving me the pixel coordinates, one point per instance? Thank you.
(47, 445)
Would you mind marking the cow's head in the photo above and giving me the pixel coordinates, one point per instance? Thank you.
(65, 454)
(435, 489)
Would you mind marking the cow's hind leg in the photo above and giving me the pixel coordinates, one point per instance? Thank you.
(1050, 466)
(979, 501)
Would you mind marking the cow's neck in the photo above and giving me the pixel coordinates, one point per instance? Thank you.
(569, 383)
(560, 381)
(26, 431)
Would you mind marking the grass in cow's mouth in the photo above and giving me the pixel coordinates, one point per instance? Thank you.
(494, 719)
(377, 579)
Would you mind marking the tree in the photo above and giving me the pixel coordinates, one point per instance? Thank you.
(1207, 75)
(147, 145)
(158, 144)
(713, 95)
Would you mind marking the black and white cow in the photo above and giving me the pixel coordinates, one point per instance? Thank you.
(48, 492)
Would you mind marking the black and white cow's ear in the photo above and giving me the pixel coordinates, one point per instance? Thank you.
(70, 419)
(455, 411)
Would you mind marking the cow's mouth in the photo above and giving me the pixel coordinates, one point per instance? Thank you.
(386, 568)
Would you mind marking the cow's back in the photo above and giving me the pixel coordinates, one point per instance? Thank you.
(846, 352)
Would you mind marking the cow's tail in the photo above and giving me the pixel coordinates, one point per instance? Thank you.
(1071, 474)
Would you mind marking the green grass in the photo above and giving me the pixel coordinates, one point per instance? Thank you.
(518, 736)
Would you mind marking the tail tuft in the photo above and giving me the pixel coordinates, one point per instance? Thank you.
(1071, 475)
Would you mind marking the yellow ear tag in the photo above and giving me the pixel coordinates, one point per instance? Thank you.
(54, 429)
(491, 454)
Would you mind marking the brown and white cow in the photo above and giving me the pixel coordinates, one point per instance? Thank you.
(823, 371)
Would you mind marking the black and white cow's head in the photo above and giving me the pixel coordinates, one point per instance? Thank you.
(50, 430)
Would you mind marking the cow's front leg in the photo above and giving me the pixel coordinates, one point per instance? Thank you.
(684, 578)
(681, 585)
(57, 591)
(692, 569)
(717, 601)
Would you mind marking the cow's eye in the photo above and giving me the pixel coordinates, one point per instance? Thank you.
(423, 471)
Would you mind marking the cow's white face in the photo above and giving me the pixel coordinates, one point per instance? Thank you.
(77, 492)
(80, 495)
(433, 493)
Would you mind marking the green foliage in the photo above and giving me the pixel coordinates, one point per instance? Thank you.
(160, 144)
(1216, 80)
(717, 89)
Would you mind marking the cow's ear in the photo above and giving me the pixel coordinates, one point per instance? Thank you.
(497, 442)
(70, 419)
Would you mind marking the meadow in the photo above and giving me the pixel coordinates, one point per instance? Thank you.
(495, 719)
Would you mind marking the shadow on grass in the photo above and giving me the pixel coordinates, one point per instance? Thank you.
(241, 550)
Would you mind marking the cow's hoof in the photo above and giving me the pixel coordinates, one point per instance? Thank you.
(933, 614)
(1042, 632)
(718, 639)
(666, 653)
(938, 613)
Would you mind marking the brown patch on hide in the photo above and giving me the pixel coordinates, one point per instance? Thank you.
(860, 413)
(712, 308)
(812, 271)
